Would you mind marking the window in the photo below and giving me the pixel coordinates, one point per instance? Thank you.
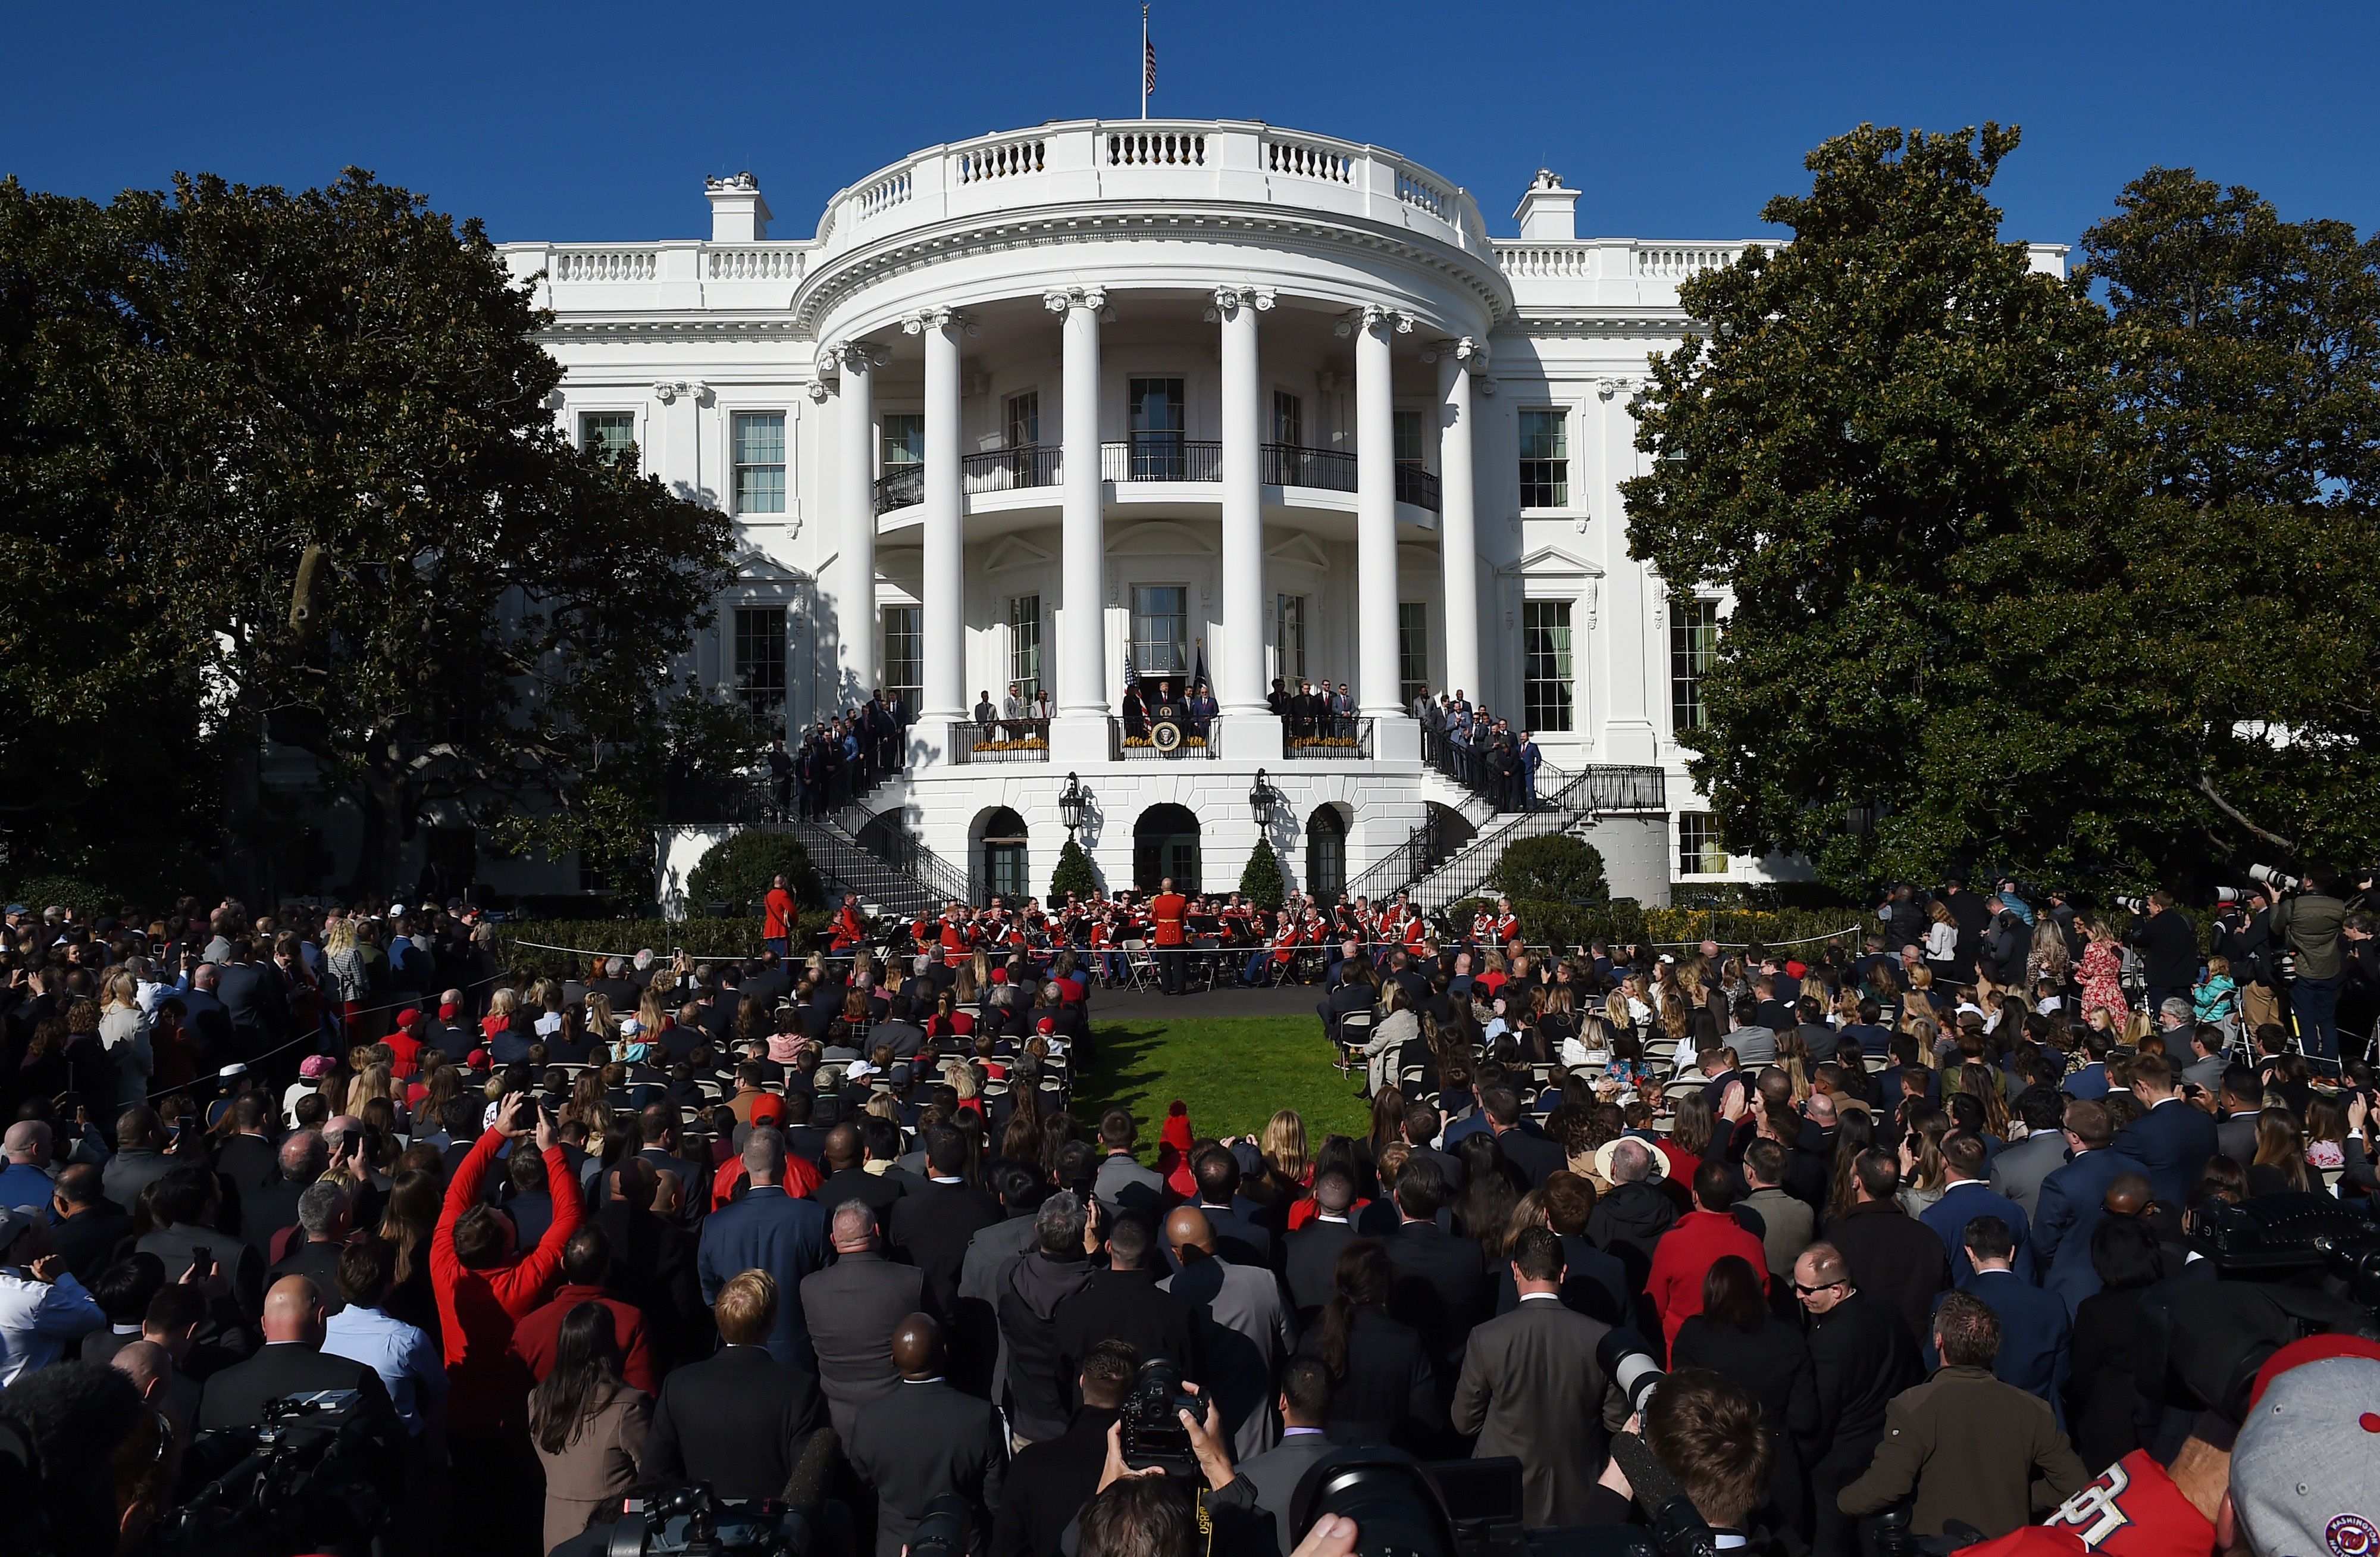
(1160, 630)
(760, 663)
(1024, 419)
(1326, 854)
(1700, 851)
(1545, 664)
(1412, 650)
(1024, 644)
(759, 462)
(1288, 419)
(1544, 460)
(904, 671)
(905, 439)
(1289, 636)
(1407, 438)
(612, 435)
(1694, 639)
(1156, 429)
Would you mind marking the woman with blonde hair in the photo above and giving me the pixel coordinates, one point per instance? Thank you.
(343, 966)
(1283, 1148)
(602, 1026)
(651, 1021)
(1923, 1173)
(502, 1004)
(123, 1031)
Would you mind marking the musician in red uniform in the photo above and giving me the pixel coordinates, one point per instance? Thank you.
(957, 938)
(777, 917)
(1168, 912)
(848, 930)
(1508, 923)
(1278, 952)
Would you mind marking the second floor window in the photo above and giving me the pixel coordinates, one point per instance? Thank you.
(1544, 460)
(1693, 642)
(1157, 425)
(1289, 637)
(1288, 419)
(1024, 644)
(1025, 419)
(1701, 851)
(1408, 437)
(759, 462)
(905, 439)
(612, 435)
(1546, 684)
(1412, 650)
(904, 661)
(1161, 632)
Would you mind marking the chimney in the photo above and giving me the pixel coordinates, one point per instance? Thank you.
(1548, 211)
(738, 214)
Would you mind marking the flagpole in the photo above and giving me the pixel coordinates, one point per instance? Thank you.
(1144, 59)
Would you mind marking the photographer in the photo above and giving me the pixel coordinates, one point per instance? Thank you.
(2167, 943)
(2308, 921)
(1709, 1432)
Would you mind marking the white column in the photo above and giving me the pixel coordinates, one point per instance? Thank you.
(852, 582)
(1079, 733)
(1457, 520)
(943, 618)
(1247, 725)
(1376, 518)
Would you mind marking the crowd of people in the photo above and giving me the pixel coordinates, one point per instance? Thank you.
(1476, 749)
(580, 1232)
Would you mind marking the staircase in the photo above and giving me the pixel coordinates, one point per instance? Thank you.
(907, 878)
(1437, 875)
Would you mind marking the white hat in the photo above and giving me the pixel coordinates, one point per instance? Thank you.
(1603, 1159)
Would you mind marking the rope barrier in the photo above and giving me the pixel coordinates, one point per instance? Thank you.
(303, 1038)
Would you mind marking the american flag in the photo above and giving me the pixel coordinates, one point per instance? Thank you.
(1147, 66)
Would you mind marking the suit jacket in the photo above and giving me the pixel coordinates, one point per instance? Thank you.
(1275, 1474)
(979, 1341)
(1530, 1388)
(2072, 1200)
(1535, 1156)
(248, 1161)
(877, 1191)
(236, 1396)
(853, 1306)
(1389, 1391)
(1967, 1445)
(1442, 1290)
(2034, 1328)
(1308, 1256)
(1126, 1306)
(2235, 1137)
(2018, 1170)
(1862, 1355)
(932, 1229)
(1047, 1485)
(1239, 1237)
(2172, 1142)
(1961, 1204)
(737, 1419)
(1594, 1284)
(86, 1241)
(921, 1441)
(654, 1267)
(319, 1264)
(768, 1230)
(1243, 1333)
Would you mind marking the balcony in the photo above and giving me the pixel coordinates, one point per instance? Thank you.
(1144, 458)
(1008, 740)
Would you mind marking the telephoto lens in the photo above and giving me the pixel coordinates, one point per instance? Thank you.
(1628, 1362)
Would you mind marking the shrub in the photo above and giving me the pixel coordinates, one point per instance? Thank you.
(1075, 874)
(89, 899)
(1559, 925)
(737, 870)
(1554, 868)
(1261, 882)
(737, 937)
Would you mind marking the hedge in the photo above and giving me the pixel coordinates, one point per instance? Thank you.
(739, 936)
(1770, 926)
(1561, 924)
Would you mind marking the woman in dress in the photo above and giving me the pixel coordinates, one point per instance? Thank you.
(2102, 974)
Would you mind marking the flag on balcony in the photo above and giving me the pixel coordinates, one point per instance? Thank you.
(1198, 676)
(1131, 676)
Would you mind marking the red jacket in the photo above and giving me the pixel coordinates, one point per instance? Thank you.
(778, 913)
(535, 1336)
(801, 1176)
(478, 1309)
(1684, 1256)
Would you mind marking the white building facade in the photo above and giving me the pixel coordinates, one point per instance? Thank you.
(1028, 408)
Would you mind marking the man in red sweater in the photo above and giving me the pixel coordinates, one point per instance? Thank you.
(1698, 1240)
(586, 1261)
(485, 1286)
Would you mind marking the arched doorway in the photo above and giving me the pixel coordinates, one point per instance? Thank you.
(1005, 869)
(1165, 842)
(1325, 852)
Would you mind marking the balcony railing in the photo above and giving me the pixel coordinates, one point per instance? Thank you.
(1008, 740)
(1139, 749)
(1150, 458)
(1338, 740)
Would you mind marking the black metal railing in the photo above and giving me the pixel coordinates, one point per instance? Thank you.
(1337, 740)
(1008, 740)
(1140, 749)
(1291, 465)
(1029, 464)
(1395, 871)
(1161, 458)
(1417, 485)
(905, 854)
(902, 486)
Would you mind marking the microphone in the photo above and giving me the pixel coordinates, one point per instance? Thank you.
(806, 1488)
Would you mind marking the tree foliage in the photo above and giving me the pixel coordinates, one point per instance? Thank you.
(739, 869)
(1075, 874)
(1989, 544)
(232, 374)
(1260, 880)
(1556, 868)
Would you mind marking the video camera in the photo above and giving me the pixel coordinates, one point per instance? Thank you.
(1454, 1508)
(690, 1519)
(307, 1478)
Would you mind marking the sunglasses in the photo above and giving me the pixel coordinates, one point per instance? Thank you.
(1807, 1291)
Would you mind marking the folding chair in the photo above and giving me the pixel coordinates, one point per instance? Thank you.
(1139, 965)
(1355, 1032)
(1200, 973)
(1684, 1087)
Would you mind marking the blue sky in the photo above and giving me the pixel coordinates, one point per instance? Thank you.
(593, 120)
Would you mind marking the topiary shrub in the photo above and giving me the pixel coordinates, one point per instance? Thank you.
(737, 869)
(1554, 868)
(1075, 874)
(1261, 882)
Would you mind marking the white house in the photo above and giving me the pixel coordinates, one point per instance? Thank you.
(1184, 391)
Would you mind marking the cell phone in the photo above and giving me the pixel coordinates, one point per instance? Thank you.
(203, 1261)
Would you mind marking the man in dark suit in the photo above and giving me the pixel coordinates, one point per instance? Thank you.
(246, 1158)
(924, 1440)
(1240, 1237)
(737, 1419)
(2072, 1200)
(1530, 1387)
(1304, 1403)
(291, 1362)
(1968, 1195)
(1862, 1355)
(653, 1264)
(322, 1216)
(1594, 1284)
(1891, 1256)
(768, 1230)
(1125, 1303)
(88, 1225)
(2235, 1125)
(853, 1306)
(975, 1331)
(1442, 1287)
(1533, 1155)
(2173, 1140)
(185, 1204)
(847, 1180)
(1049, 1482)
(140, 1157)
(931, 1228)
(253, 999)
(1310, 1254)
(2018, 1169)
(2033, 1323)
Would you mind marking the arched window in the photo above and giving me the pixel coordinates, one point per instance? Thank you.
(1007, 870)
(1165, 842)
(1325, 852)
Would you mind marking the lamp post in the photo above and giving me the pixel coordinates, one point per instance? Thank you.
(1071, 805)
(1264, 802)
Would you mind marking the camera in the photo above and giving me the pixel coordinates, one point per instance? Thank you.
(2133, 904)
(690, 1519)
(1153, 1435)
(2227, 897)
(1628, 1363)
(946, 1530)
(2265, 875)
(307, 1478)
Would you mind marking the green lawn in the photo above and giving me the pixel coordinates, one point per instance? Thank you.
(1233, 1071)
